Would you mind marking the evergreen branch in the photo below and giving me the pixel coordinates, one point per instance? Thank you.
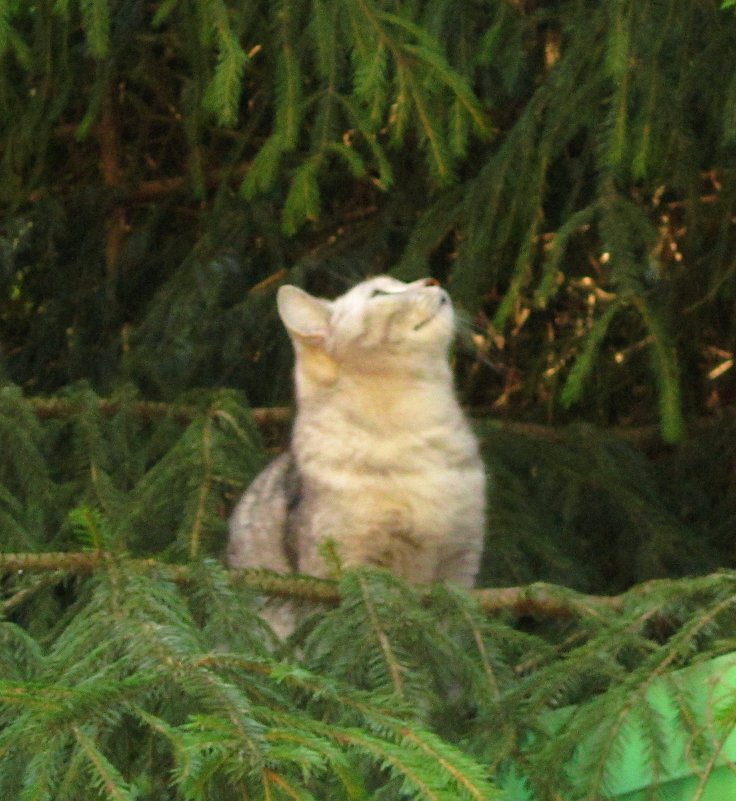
(96, 22)
(392, 663)
(483, 654)
(5, 28)
(20, 597)
(715, 756)
(455, 82)
(390, 756)
(539, 598)
(59, 408)
(302, 202)
(295, 793)
(205, 488)
(222, 96)
(427, 52)
(354, 113)
(637, 696)
(163, 12)
(664, 360)
(432, 745)
(640, 436)
(521, 277)
(576, 222)
(71, 563)
(366, 704)
(108, 776)
(585, 360)
(111, 169)
(433, 134)
(546, 600)
(289, 107)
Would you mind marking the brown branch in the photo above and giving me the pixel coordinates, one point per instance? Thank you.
(544, 600)
(73, 563)
(58, 408)
(147, 191)
(539, 599)
(644, 437)
(55, 408)
(108, 136)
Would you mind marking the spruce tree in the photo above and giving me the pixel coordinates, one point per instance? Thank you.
(566, 169)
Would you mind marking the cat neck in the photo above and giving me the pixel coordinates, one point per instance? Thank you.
(382, 401)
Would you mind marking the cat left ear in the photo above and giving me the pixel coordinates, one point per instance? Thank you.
(307, 318)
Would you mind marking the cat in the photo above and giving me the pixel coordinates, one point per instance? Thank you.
(382, 461)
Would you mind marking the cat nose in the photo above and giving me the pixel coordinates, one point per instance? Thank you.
(431, 282)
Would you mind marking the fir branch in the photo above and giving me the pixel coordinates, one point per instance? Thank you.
(302, 201)
(466, 775)
(287, 787)
(96, 20)
(111, 169)
(108, 777)
(22, 596)
(483, 654)
(666, 369)
(205, 488)
(640, 436)
(546, 600)
(163, 12)
(549, 282)
(289, 106)
(573, 388)
(6, 31)
(222, 97)
(726, 732)
(60, 408)
(539, 598)
(448, 776)
(394, 667)
(71, 563)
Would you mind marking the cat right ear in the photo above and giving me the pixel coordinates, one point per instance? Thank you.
(306, 318)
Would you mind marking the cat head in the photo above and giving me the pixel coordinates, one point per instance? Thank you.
(379, 325)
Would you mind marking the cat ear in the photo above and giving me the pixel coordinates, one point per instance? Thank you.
(307, 318)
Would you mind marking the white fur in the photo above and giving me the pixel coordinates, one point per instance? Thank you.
(389, 467)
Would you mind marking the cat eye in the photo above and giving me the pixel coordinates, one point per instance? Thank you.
(379, 292)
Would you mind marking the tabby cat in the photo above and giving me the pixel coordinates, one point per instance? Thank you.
(382, 461)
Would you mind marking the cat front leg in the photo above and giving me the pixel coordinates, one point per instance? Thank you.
(387, 540)
(458, 565)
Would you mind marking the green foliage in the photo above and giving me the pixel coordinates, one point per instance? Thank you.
(103, 481)
(514, 151)
(566, 169)
(137, 696)
(154, 683)
(573, 388)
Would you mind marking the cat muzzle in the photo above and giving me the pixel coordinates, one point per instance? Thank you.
(443, 301)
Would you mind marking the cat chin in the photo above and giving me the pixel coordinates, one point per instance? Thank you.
(443, 307)
(438, 327)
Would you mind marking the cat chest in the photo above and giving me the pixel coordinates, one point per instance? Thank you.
(411, 524)
(428, 480)
(433, 499)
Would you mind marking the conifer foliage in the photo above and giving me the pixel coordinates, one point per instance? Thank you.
(567, 170)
